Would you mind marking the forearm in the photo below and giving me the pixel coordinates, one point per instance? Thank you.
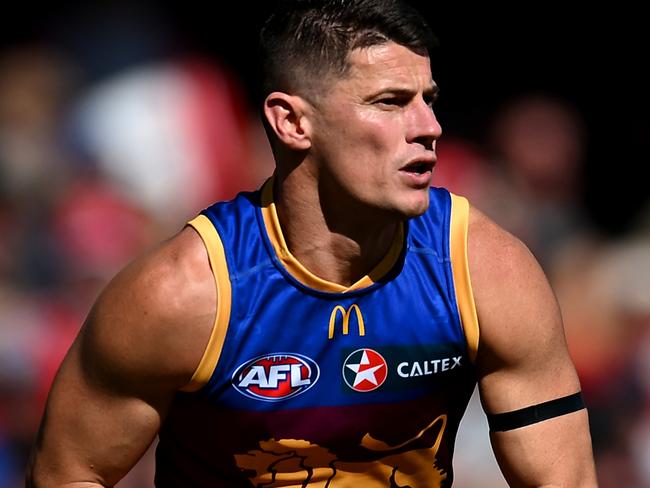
(552, 453)
(34, 483)
(92, 446)
(38, 476)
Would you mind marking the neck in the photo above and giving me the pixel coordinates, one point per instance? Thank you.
(329, 237)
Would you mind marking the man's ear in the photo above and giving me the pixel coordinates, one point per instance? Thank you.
(286, 115)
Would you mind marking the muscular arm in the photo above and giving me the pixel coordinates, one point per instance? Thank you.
(141, 342)
(523, 360)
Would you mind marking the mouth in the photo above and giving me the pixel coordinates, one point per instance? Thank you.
(419, 166)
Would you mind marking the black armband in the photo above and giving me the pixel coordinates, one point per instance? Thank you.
(500, 422)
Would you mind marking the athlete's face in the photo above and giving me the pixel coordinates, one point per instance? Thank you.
(375, 131)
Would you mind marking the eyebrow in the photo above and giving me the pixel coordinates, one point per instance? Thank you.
(431, 91)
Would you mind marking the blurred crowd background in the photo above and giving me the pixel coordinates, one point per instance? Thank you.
(119, 121)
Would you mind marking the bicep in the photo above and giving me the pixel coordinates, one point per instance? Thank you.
(95, 427)
(523, 358)
(523, 361)
(534, 368)
(140, 344)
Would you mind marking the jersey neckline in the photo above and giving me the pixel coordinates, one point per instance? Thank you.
(302, 275)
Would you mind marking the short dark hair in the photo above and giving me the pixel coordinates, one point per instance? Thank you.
(305, 41)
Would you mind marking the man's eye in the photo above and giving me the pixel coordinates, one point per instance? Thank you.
(389, 101)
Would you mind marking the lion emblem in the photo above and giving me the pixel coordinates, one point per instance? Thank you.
(296, 462)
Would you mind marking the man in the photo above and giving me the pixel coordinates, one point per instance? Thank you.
(324, 331)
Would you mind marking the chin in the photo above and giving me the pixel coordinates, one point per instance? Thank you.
(411, 214)
(415, 207)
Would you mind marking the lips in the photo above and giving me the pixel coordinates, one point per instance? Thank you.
(417, 173)
(419, 166)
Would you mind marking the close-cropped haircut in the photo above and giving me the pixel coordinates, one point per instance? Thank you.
(306, 41)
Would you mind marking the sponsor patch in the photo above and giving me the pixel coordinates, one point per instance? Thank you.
(365, 370)
(276, 377)
(407, 368)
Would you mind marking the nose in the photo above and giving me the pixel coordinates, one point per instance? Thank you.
(424, 127)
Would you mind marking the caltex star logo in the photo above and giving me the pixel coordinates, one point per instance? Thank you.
(364, 370)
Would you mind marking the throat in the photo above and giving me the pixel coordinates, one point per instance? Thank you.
(342, 259)
(331, 249)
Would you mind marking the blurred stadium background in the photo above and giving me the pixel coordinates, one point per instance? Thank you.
(120, 120)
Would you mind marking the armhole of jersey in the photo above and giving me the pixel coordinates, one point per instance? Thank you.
(217, 257)
(460, 270)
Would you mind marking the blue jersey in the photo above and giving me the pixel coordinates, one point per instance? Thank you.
(308, 383)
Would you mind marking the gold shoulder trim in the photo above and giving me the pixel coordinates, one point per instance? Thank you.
(219, 267)
(460, 270)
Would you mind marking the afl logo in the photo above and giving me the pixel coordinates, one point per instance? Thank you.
(275, 377)
(365, 370)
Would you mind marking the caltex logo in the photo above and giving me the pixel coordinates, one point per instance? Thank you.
(365, 370)
(275, 377)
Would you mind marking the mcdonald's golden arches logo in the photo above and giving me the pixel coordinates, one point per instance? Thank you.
(346, 314)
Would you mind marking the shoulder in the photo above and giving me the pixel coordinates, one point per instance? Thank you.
(495, 252)
(154, 318)
(514, 301)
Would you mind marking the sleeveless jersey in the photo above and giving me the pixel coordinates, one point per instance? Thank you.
(308, 383)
